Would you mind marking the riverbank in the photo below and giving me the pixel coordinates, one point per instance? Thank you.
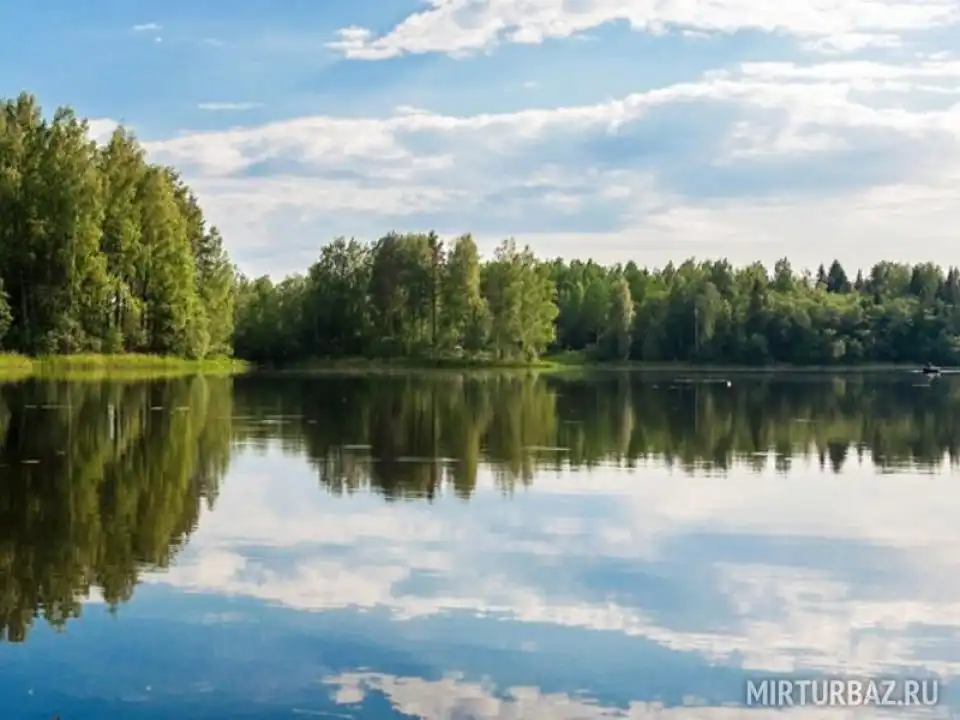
(13, 366)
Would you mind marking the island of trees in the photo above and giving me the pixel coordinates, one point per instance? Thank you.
(103, 252)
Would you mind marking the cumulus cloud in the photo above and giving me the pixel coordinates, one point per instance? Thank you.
(772, 574)
(728, 164)
(463, 26)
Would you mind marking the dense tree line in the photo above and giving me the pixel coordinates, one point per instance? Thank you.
(410, 296)
(101, 482)
(101, 251)
(404, 296)
(417, 436)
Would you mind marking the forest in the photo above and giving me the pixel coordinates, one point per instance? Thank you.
(410, 296)
(103, 252)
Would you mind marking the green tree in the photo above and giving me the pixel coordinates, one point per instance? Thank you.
(521, 298)
(464, 317)
(165, 270)
(621, 318)
(123, 166)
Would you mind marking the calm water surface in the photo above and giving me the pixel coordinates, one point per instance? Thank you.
(450, 547)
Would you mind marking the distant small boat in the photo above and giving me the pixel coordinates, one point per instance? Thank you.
(929, 369)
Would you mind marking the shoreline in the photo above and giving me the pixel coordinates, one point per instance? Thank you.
(560, 364)
(122, 366)
(134, 366)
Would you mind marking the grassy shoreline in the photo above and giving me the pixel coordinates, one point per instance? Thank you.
(13, 366)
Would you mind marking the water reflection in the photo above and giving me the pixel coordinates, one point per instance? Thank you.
(98, 481)
(798, 536)
(404, 435)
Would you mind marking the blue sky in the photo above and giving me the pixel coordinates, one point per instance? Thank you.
(617, 129)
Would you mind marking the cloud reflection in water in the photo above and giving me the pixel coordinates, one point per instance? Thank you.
(761, 573)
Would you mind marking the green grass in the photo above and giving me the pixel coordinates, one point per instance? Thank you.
(14, 366)
(127, 366)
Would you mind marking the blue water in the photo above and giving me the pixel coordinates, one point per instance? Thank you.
(586, 591)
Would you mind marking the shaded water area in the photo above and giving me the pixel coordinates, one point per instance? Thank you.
(456, 546)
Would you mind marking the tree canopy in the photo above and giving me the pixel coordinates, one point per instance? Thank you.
(101, 251)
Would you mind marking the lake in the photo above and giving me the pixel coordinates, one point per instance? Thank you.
(457, 546)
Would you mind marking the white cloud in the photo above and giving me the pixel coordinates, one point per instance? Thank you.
(532, 172)
(453, 697)
(100, 129)
(525, 559)
(460, 26)
(862, 74)
(851, 42)
(147, 27)
(227, 106)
